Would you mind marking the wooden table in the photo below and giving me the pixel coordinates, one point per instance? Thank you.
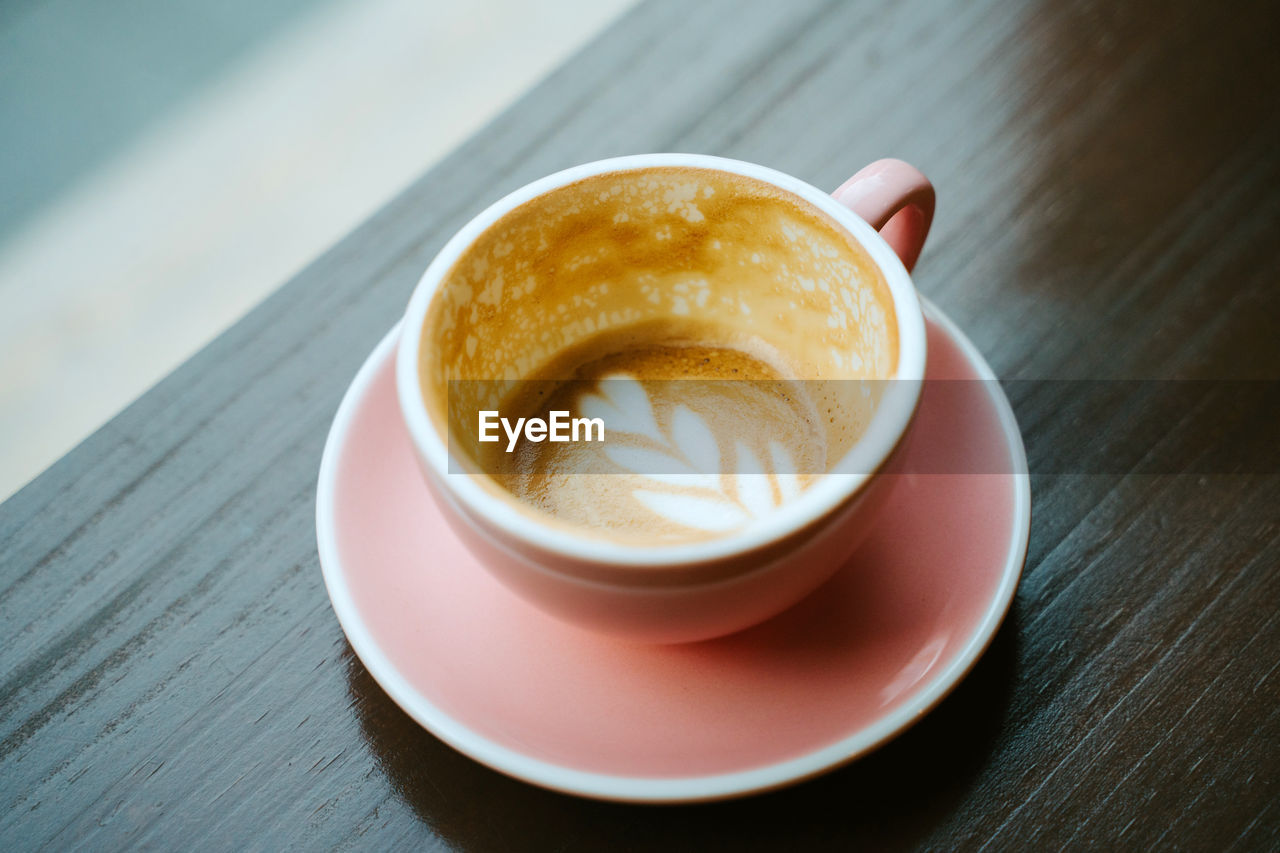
(1109, 208)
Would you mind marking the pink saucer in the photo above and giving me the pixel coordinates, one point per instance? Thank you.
(839, 674)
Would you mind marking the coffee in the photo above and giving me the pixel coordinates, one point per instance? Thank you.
(640, 292)
(698, 437)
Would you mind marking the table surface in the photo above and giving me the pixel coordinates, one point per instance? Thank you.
(1108, 180)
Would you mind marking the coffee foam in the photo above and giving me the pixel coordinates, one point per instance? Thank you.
(682, 418)
(662, 258)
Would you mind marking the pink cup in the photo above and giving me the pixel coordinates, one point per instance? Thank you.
(693, 591)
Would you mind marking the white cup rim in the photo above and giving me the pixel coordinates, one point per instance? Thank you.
(888, 425)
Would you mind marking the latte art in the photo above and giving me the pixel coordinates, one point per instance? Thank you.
(702, 440)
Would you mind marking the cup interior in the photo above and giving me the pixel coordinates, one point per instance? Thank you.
(694, 252)
(672, 251)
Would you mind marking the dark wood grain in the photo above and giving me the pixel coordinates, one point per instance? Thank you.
(1109, 183)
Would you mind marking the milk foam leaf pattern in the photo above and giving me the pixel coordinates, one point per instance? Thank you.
(784, 471)
(659, 466)
(623, 404)
(684, 466)
(713, 514)
(695, 440)
(755, 491)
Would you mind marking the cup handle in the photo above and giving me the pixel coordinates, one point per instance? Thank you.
(897, 200)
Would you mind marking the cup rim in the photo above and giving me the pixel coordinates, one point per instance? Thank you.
(888, 425)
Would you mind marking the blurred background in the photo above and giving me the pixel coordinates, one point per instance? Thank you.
(165, 164)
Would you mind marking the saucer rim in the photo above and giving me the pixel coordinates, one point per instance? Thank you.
(624, 788)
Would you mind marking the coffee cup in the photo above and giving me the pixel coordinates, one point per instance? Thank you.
(750, 348)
